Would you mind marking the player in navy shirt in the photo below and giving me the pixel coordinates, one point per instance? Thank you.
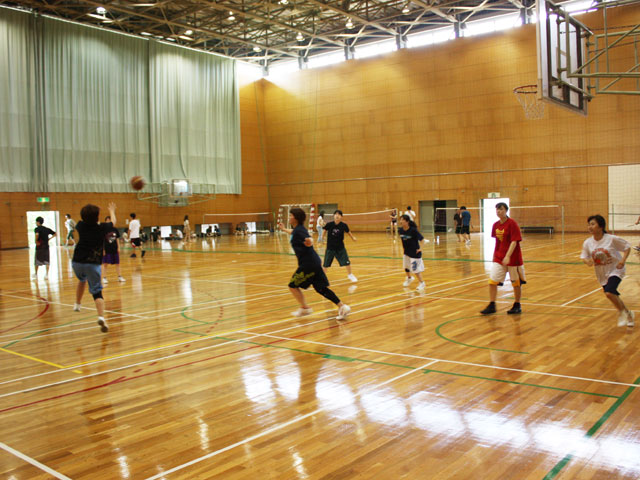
(43, 234)
(309, 270)
(412, 259)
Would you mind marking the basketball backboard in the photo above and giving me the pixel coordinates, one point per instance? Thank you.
(561, 53)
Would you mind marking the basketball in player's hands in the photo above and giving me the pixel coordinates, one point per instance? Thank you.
(137, 182)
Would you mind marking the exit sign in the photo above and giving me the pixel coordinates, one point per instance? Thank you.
(493, 195)
(43, 199)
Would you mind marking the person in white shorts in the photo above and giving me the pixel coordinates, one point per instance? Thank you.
(412, 259)
(608, 254)
(320, 223)
(507, 257)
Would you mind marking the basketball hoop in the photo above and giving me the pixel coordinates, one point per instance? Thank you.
(527, 95)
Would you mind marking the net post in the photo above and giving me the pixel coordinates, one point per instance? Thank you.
(562, 220)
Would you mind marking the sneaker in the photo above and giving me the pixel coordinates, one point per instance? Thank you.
(105, 281)
(76, 307)
(421, 287)
(630, 317)
(143, 252)
(104, 328)
(407, 282)
(352, 277)
(468, 242)
(489, 309)
(302, 312)
(623, 318)
(121, 279)
(515, 309)
(343, 311)
(133, 255)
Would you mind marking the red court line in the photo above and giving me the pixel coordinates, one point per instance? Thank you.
(162, 370)
(46, 307)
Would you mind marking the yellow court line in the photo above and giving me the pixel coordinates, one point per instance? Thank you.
(37, 359)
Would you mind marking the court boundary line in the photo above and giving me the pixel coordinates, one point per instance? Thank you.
(33, 462)
(581, 296)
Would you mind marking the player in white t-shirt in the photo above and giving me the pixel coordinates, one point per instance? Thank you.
(411, 213)
(320, 223)
(134, 235)
(608, 253)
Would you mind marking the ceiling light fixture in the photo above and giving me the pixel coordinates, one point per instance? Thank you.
(299, 37)
(257, 49)
(184, 37)
(283, 2)
(406, 9)
(146, 34)
(171, 39)
(349, 24)
(231, 17)
(188, 32)
(101, 10)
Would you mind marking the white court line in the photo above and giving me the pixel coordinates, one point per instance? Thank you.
(456, 362)
(581, 296)
(33, 462)
(570, 253)
(19, 308)
(277, 427)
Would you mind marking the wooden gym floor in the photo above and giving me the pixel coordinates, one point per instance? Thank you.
(204, 373)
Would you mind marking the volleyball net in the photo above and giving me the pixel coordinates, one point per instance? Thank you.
(623, 217)
(377, 221)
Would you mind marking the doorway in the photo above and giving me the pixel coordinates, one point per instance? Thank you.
(51, 219)
(328, 209)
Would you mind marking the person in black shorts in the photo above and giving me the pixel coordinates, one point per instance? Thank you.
(111, 252)
(457, 218)
(335, 244)
(43, 234)
(309, 272)
(394, 221)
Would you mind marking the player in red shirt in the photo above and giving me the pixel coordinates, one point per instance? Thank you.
(507, 257)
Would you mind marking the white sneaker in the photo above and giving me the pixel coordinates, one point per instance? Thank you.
(343, 311)
(105, 281)
(104, 328)
(421, 287)
(407, 282)
(352, 277)
(76, 307)
(630, 317)
(623, 318)
(468, 242)
(302, 312)
(121, 279)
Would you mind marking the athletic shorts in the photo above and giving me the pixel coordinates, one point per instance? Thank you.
(464, 229)
(70, 235)
(458, 229)
(499, 272)
(135, 242)
(305, 277)
(42, 257)
(89, 272)
(340, 255)
(414, 265)
(612, 285)
(111, 258)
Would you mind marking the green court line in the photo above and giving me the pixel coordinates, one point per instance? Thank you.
(523, 383)
(45, 330)
(467, 344)
(381, 257)
(355, 359)
(563, 463)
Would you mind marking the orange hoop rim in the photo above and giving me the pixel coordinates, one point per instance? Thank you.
(522, 89)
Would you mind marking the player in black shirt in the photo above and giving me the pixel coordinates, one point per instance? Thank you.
(43, 234)
(87, 257)
(111, 252)
(309, 270)
(335, 244)
(412, 259)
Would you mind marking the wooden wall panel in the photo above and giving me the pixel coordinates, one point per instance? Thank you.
(436, 113)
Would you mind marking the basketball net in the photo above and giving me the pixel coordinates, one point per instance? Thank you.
(528, 98)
